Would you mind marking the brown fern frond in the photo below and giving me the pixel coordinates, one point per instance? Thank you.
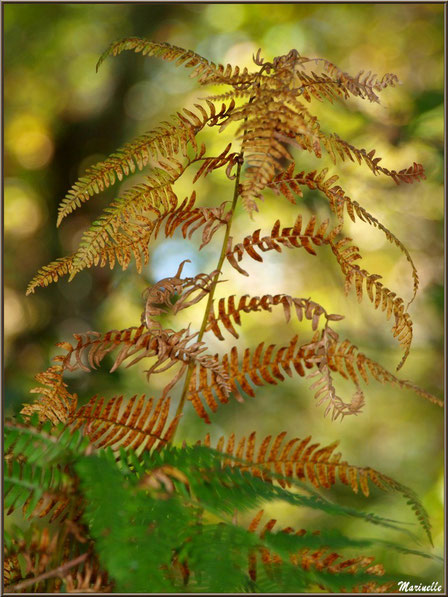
(262, 366)
(287, 183)
(206, 71)
(312, 138)
(55, 402)
(325, 391)
(291, 237)
(267, 123)
(91, 579)
(36, 554)
(345, 254)
(168, 348)
(139, 424)
(228, 308)
(320, 559)
(166, 141)
(155, 196)
(335, 146)
(213, 163)
(364, 84)
(259, 366)
(379, 296)
(300, 459)
(161, 295)
(345, 358)
(190, 219)
(320, 466)
(320, 87)
(51, 273)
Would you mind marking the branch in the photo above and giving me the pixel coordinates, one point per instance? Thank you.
(59, 571)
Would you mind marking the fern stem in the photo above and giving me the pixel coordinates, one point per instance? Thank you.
(212, 289)
(59, 571)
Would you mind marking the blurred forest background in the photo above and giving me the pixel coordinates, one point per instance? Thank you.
(61, 117)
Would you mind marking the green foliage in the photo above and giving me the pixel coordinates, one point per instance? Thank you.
(173, 515)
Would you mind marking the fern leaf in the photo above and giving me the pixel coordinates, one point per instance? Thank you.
(345, 358)
(206, 71)
(258, 367)
(314, 552)
(345, 254)
(325, 391)
(297, 458)
(287, 183)
(269, 365)
(36, 552)
(41, 444)
(166, 141)
(292, 237)
(36, 490)
(363, 85)
(90, 580)
(140, 425)
(229, 308)
(55, 402)
(51, 273)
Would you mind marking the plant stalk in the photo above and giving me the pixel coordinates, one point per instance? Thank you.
(59, 571)
(212, 289)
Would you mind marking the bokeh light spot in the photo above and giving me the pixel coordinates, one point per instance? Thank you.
(22, 215)
(29, 141)
(225, 16)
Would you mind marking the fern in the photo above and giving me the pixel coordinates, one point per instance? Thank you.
(108, 473)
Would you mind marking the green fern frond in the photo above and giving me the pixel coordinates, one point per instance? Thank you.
(35, 489)
(309, 462)
(41, 443)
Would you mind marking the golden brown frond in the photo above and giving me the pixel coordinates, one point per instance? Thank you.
(138, 424)
(320, 559)
(308, 462)
(55, 403)
(168, 348)
(297, 458)
(346, 255)
(191, 219)
(160, 295)
(166, 141)
(91, 579)
(363, 85)
(51, 273)
(337, 147)
(35, 554)
(229, 309)
(117, 228)
(345, 358)
(323, 387)
(290, 237)
(213, 163)
(206, 71)
(259, 366)
(379, 296)
(288, 184)
(123, 232)
(262, 366)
